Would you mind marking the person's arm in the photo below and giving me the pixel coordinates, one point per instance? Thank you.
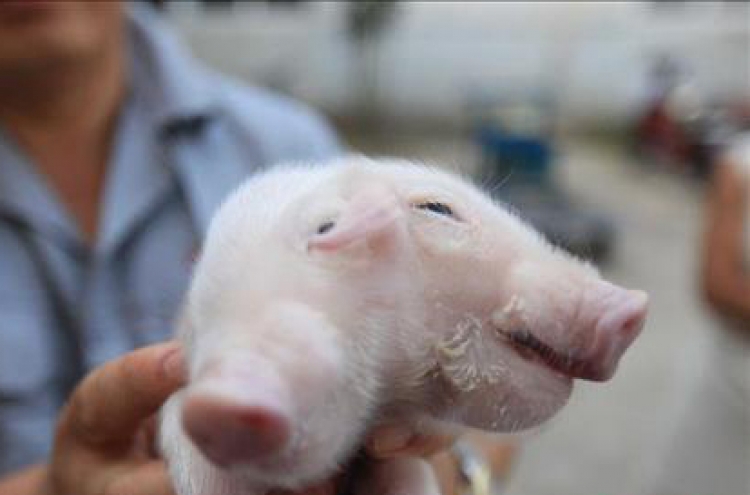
(102, 442)
(725, 281)
(30, 481)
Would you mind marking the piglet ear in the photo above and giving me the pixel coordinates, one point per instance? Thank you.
(372, 215)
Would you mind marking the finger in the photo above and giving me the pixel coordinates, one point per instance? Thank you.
(499, 451)
(395, 476)
(393, 440)
(111, 402)
(148, 479)
(327, 487)
(426, 445)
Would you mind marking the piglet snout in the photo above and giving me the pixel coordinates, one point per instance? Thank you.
(236, 419)
(620, 316)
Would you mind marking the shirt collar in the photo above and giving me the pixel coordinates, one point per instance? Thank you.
(165, 81)
(25, 195)
(164, 75)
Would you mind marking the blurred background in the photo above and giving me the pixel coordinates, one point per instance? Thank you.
(598, 121)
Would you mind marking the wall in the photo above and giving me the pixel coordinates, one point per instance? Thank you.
(437, 57)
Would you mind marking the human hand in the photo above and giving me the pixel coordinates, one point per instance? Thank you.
(395, 441)
(393, 461)
(104, 444)
(447, 466)
(388, 451)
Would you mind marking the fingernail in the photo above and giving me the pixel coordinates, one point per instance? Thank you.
(389, 440)
(174, 364)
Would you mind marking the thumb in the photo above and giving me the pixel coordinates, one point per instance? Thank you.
(110, 404)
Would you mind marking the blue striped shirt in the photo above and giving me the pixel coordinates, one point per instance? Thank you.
(185, 137)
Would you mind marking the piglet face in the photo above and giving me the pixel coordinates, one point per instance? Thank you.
(506, 322)
(515, 319)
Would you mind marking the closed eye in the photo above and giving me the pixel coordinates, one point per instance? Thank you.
(437, 208)
(325, 227)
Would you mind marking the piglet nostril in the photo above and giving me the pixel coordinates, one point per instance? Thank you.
(617, 328)
(236, 423)
(627, 316)
(229, 434)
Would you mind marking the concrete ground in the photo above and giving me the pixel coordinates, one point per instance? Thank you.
(610, 437)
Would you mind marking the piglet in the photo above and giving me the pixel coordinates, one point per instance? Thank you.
(334, 299)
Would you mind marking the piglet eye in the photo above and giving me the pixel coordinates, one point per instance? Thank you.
(436, 207)
(325, 227)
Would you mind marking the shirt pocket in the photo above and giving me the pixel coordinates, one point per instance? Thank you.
(27, 357)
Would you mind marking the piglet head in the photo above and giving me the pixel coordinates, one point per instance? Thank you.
(506, 320)
(286, 367)
(517, 320)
